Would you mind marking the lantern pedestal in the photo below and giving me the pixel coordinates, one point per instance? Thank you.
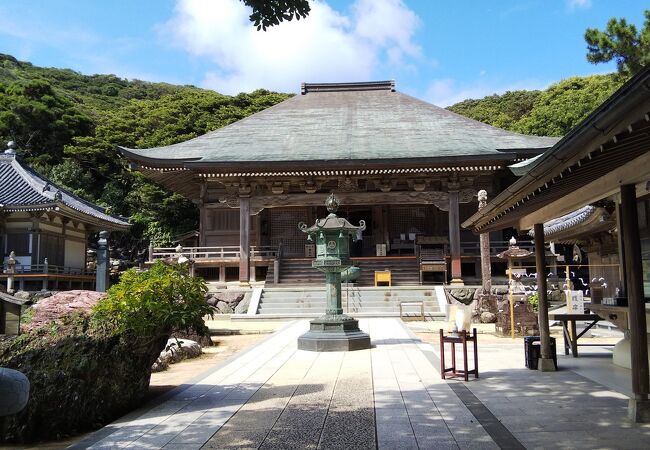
(339, 333)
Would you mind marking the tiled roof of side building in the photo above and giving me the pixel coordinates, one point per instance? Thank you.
(22, 188)
(346, 121)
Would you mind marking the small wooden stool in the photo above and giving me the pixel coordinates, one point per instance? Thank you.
(461, 338)
(383, 276)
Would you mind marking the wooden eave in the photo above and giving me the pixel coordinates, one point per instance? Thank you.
(609, 148)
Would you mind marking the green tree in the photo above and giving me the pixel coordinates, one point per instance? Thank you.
(502, 111)
(155, 302)
(622, 43)
(565, 104)
(267, 13)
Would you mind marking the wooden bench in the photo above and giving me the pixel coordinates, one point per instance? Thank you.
(411, 303)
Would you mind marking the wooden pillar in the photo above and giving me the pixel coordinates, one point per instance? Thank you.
(244, 239)
(621, 251)
(639, 407)
(454, 237)
(546, 363)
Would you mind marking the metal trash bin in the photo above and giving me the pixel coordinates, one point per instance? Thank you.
(533, 350)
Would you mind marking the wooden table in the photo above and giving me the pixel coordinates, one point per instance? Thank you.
(461, 338)
(569, 329)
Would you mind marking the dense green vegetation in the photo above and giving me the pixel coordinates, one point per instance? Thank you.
(68, 125)
(552, 112)
(153, 302)
(620, 42)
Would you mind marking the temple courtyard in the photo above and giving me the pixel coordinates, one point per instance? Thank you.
(273, 396)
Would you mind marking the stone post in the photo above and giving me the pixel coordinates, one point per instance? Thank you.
(11, 270)
(101, 275)
(46, 266)
(486, 266)
(150, 251)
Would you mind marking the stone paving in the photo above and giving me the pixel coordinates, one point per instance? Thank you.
(390, 397)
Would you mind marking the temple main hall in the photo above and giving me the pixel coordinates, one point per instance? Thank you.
(410, 169)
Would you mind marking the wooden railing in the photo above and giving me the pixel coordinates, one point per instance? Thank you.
(48, 269)
(231, 252)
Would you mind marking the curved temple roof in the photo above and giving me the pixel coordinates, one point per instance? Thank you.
(23, 189)
(345, 121)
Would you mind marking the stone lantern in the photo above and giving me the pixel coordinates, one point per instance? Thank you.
(333, 331)
(513, 252)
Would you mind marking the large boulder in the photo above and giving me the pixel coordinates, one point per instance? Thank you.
(81, 377)
(52, 308)
(225, 302)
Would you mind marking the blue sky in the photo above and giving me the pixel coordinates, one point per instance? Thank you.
(440, 51)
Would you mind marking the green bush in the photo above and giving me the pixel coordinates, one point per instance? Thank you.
(155, 302)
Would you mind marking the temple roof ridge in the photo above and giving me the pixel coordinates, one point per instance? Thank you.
(24, 189)
(388, 85)
(356, 123)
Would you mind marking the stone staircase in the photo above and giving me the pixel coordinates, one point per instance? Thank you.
(292, 302)
(298, 272)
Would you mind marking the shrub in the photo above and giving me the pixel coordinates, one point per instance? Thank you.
(155, 302)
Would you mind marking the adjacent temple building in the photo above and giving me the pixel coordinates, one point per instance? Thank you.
(44, 229)
(410, 169)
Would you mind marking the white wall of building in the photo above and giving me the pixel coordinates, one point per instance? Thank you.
(75, 254)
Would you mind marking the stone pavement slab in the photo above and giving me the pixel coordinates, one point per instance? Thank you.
(389, 397)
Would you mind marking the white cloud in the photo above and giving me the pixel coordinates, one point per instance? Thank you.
(447, 91)
(578, 4)
(327, 46)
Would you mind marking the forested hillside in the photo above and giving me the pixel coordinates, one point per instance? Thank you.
(552, 112)
(67, 125)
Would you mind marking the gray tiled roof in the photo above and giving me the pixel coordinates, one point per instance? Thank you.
(21, 188)
(353, 121)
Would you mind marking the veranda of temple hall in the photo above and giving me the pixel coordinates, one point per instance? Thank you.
(410, 169)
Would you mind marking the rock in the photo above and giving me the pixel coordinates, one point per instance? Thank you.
(79, 381)
(176, 350)
(23, 295)
(224, 308)
(52, 308)
(242, 307)
(227, 297)
(488, 317)
(212, 301)
(500, 290)
(40, 295)
(14, 391)
(463, 295)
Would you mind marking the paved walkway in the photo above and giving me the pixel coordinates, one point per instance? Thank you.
(276, 397)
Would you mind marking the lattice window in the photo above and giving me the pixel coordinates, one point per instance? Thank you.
(410, 220)
(283, 227)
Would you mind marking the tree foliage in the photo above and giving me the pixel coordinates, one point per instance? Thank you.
(68, 127)
(154, 302)
(621, 42)
(502, 111)
(267, 13)
(565, 104)
(552, 112)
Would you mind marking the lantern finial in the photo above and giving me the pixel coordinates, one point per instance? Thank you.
(332, 203)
